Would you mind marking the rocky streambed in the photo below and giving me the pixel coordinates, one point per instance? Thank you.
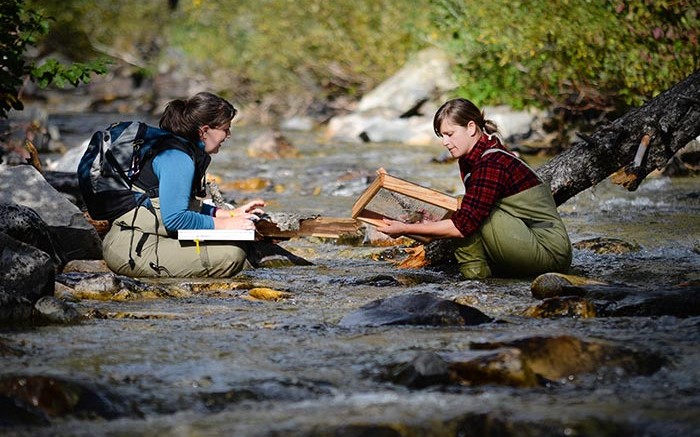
(355, 345)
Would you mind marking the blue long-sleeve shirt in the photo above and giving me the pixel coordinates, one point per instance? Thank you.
(175, 172)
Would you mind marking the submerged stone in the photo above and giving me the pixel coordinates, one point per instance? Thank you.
(426, 369)
(604, 246)
(414, 309)
(559, 357)
(554, 284)
(38, 397)
(569, 306)
(49, 309)
(505, 366)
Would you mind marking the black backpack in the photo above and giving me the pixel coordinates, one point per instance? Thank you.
(110, 167)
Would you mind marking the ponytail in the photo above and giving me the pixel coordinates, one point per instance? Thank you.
(185, 117)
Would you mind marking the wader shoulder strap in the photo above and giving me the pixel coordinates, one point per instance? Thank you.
(494, 150)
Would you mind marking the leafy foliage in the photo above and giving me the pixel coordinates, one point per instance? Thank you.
(576, 54)
(20, 28)
(313, 48)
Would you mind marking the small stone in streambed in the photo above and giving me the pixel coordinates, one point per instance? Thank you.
(415, 309)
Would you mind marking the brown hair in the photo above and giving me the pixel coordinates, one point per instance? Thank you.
(185, 117)
(461, 112)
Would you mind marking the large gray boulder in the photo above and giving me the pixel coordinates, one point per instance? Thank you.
(76, 238)
(26, 275)
(24, 224)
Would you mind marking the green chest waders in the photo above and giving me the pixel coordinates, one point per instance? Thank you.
(523, 236)
(138, 245)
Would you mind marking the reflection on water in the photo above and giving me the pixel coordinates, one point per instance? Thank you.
(231, 366)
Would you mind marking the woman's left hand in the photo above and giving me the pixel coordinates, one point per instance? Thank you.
(252, 207)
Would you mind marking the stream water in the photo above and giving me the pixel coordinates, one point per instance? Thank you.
(216, 363)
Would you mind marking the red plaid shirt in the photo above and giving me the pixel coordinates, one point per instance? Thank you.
(491, 177)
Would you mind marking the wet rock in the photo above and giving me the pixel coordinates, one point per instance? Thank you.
(278, 390)
(76, 238)
(605, 246)
(554, 284)
(49, 310)
(361, 430)
(26, 274)
(514, 425)
(505, 366)
(426, 369)
(15, 412)
(39, 397)
(8, 349)
(378, 281)
(24, 224)
(262, 293)
(628, 301)
(622, 301)
(555, 307)
(272, 145)
(558, 357)
(86, 266)
(109, 286)
(414, 309)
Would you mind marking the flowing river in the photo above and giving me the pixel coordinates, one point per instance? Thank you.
(214, 362)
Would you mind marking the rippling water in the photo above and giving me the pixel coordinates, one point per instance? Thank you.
(218, 364)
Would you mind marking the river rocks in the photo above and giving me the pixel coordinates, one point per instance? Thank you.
(26, 274)
(278, 390)
(269, 294)
(552, 284)
(401, 108)
(559, 357)
(503, 366)
(612, 300)
(50, 310)
(25, 225)
(74, 235)
(414, 309)
(622, 301)
(109, 286)
(571, 306)
(425, 75)
(604, 246)
(426, 369)
(38, 399)
(527, 362)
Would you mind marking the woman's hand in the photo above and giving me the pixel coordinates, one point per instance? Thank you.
(440, 229)
(252, 207)
(392, 228)
(243, 217)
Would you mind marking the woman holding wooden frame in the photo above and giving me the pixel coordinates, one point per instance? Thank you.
(507, 223)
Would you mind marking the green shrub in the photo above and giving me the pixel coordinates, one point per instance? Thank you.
(313, 48)
(576, 54)
(20, 29)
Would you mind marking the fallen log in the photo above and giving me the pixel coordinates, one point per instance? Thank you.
(639, 142)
